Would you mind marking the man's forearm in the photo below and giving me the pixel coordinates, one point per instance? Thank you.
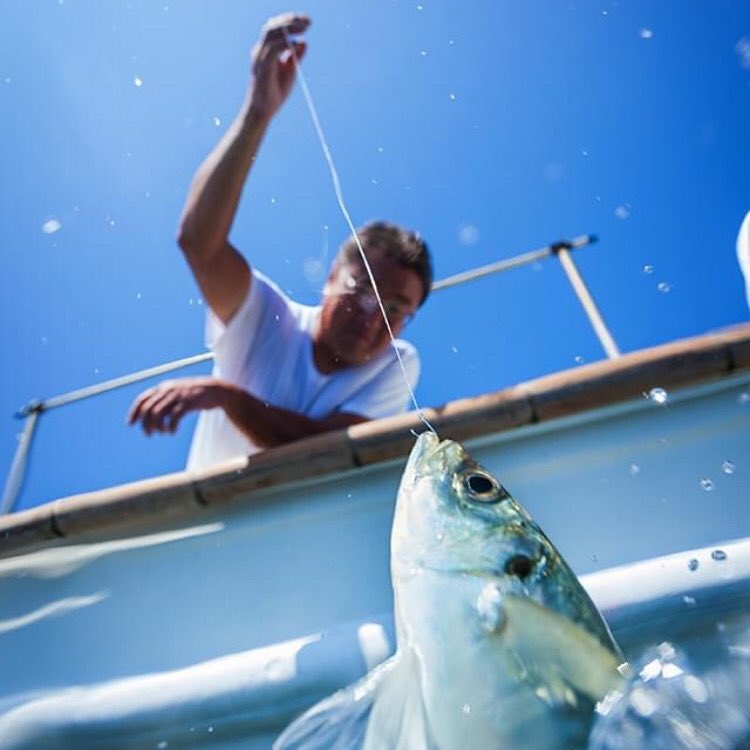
(268, 426)
(217, 186)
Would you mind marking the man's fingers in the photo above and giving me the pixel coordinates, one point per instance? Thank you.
(136, 407)
(176, 416)
(286, 23)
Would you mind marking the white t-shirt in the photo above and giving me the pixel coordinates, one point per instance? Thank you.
(743, 253)
(266, 349)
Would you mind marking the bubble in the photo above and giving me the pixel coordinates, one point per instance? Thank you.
(210, 730)
(7, 79)
(664, 287)
(453, 97)
(276, 317)
(623, 211)
(137, 295)
(466, 709)
(648, 268)
(578, 358)
(216, 121)
(658, 395)
(693, 564)
(706, 484)
(420, 7)
(743, 398)
(468, 234)
(273, 200)
(584, 152)
(161, 745)
(728, 467)
(689, 600)
(137, 81)
(423, 53)
(454, 349)
(51, 226)
(646, 34)
(718, 554)
(594, 558)
(635, 470)
(742, 48)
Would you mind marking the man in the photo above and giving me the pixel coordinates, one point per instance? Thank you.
(282, 370)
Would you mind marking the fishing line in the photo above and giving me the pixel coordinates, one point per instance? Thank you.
(347, 217)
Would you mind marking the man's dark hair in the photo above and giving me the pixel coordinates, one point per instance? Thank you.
(407, 248)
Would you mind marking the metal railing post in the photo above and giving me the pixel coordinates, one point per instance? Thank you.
(17, 472)
(587, 301)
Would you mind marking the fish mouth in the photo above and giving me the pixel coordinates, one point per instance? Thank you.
(428, 454)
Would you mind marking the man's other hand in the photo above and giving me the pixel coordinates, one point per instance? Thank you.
(161, 408)
(273, 63)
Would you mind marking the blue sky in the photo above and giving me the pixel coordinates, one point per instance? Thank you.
(493, 127)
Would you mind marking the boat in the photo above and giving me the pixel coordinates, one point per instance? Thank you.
(208, 609)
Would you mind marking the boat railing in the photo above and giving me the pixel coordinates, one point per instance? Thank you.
(33, 410)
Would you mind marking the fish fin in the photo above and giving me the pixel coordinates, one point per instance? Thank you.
(382, 711)
(398, 720)
(567, 653)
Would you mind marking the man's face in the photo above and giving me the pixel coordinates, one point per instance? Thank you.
(351, 327)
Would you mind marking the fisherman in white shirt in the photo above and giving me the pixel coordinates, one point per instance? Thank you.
(282, 370)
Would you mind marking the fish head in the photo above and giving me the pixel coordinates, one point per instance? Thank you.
(454, 517)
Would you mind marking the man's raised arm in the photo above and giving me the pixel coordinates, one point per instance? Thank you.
(221, 272)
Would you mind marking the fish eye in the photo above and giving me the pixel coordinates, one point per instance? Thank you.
(482, 487)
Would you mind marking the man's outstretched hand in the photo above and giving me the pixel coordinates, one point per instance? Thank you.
(273, 64)
(161, 408)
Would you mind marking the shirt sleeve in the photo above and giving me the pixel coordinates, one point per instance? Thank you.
(234, 343)
(387, 393)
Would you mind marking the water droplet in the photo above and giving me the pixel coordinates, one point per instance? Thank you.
(634, 470)
(664, 287)
(276, 318)
(216, 121)
(622, 212)
(466, 709)
(51, 226)
(646, 34)
(374, 181)
(584, 152)
(693, 564)
(7, 79)
(743, 398)
(578, 358)
(718, 554)
(689, 600)
(658, 395)
(137, 81)
(137, 295)
(273, 200)
(454, 349)
(728, 467)
(468, 234)
(453, 97)
(440, 536)
(706, 484)
(423, 53)
(210, 729)
(648, 268)
(594, 558)
(451, 42)
(605, 12)
(162, 745)
(349, 495)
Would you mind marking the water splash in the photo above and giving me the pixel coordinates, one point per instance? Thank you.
(51, 226)
(658, 396)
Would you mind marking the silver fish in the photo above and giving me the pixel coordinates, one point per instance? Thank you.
(498, 644)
